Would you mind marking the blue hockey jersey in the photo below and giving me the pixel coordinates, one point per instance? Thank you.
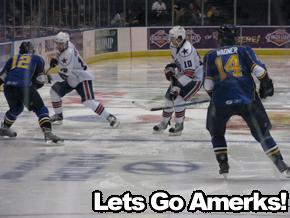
(230, 68)
(21, 70)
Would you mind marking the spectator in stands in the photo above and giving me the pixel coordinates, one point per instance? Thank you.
(187, 14)
(118, 20)
(178, 14)
(133, 17)
(159, 11)
(213, 15)
(159, 7)
(191, 15)
(196, 13)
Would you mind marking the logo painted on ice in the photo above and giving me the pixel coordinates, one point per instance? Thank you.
(192, 36)
(160, 38)
(160, 167)
(279, 37)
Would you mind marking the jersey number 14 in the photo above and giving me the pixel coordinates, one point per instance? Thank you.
(232, 67)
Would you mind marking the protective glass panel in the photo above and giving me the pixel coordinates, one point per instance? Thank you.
(187, 12)
(135, 12)
(104, 13)
(117, 13)
(252, 12)
(280, 12)
(159, 12)
(218, 12)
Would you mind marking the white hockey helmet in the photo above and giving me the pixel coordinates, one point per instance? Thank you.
(177, 32)
(62, 37)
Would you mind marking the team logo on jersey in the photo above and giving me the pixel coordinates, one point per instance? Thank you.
(160, 38)
(279, 37)
(192, 36)
(64, 60)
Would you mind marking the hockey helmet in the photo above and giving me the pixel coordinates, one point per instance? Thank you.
(62, 37)
(26, 47)
(177, 34)
(61, 40)
(227, 34)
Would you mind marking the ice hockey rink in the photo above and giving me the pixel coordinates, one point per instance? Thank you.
(57, 181)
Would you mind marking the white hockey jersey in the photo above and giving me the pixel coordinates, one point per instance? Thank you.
(72, 67)
(188, 63)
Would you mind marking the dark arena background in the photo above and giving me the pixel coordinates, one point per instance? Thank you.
(126, 46)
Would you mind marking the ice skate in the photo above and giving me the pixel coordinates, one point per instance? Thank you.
(224, 168)
(50, 137)
(56, 119)
(223, 164)
(160, 127)
(5, 131)
(177, 130)
(280, 164)
(113, 121)
(282, 167)
(286, 173)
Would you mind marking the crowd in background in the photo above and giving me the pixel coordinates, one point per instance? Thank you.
(22, 18)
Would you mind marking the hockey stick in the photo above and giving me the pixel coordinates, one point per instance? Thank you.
(172, 100)
(47, 74)
(146, 107)
(180, 105)
(48, 70)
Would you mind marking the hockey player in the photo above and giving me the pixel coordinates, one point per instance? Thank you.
(230, 84)
(75, 75)
(22, 76)
(185, 74)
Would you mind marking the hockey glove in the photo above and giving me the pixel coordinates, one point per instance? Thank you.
(174, 92)
(53, 62)
(173, 65)
(169, 70)
(266, 88)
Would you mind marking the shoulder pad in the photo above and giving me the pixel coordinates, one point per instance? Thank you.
(246, 48)
(38, 58)
(66, 57)
(186, 49)
(209, 53)
(68, 52)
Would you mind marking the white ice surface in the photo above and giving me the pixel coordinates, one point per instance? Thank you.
(40, 180)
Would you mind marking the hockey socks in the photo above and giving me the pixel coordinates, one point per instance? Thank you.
(9, 119)
(275, 155)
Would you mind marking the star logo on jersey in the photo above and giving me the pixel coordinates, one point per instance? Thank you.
(64, 60)
(184, 51)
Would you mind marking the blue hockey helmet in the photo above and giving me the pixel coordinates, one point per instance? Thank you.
(26, 47)
(227, 34)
